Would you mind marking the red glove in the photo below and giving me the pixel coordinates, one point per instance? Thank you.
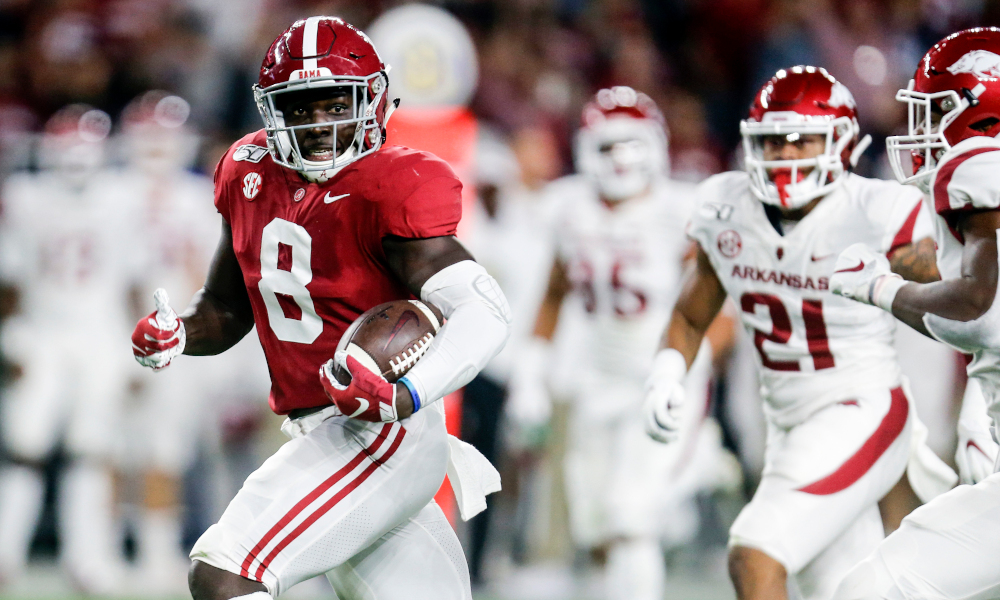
(159, 337)
(368, 396)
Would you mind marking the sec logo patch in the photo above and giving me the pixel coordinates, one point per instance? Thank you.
(251, 185)
(729, 243)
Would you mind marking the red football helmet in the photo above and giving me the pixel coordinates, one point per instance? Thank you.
(622, 143)
(954, 95)
(801, 101)
(156, 138)
(321, 52)
(73, 141)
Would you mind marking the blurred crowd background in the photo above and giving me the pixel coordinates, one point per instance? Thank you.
(538, 62)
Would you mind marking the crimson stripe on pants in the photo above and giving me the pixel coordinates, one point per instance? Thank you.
(329, 504)
(874, 447)
(313, 495)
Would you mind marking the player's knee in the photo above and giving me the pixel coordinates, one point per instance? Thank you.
(752, 568)
(211, 583)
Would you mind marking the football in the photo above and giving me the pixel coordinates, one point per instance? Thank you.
(391, 337)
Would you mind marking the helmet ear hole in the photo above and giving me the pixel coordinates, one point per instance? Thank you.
(984, 125)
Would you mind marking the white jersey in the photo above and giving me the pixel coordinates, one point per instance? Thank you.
(179, 227)
(625, 264)
(966, 180)
(514, 247)
(70, 251)
(814, 348)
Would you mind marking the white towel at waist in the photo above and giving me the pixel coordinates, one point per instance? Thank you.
(472, 476)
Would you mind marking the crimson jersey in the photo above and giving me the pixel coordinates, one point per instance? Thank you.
(311, 254)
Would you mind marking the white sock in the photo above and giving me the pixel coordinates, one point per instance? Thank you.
(87, 524)
(254, 596)
(635, 571)
(22, 491)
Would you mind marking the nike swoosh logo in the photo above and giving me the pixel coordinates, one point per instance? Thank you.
(976, 446)
(860, 266)
(328, 198)
(815, 258)
(404, 318)
(363, 406)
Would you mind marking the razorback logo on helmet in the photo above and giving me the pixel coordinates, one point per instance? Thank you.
(983, 64)
(841, 96)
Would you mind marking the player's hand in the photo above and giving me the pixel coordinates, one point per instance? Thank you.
(664, 403)
(158, 337)
(864, 275)
(367, 397)
(976, 453)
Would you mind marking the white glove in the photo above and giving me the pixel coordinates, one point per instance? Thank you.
(977, 452)
(529, 404)
(665, 396)
(864, 275)
(160, 336)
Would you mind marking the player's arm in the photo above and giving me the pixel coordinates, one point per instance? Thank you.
(441, 272)
(721, 334)
(700, 300)
(968, 297)
(866, 276)
(219, 314)
(548, 312)
(916, 261)
(528, 402)
(218, 317)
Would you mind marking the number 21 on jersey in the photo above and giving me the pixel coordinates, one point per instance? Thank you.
(781, 331)
(285, 270)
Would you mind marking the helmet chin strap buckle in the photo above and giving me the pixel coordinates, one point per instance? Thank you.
(859, 149)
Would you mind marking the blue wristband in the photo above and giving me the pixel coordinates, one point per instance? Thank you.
(413, 392)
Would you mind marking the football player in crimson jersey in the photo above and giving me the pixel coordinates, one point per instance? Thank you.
(839, 418)
(948, 548)
(322, 222)
(620, 241)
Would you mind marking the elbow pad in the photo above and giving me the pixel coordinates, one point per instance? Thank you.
(477, 327)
